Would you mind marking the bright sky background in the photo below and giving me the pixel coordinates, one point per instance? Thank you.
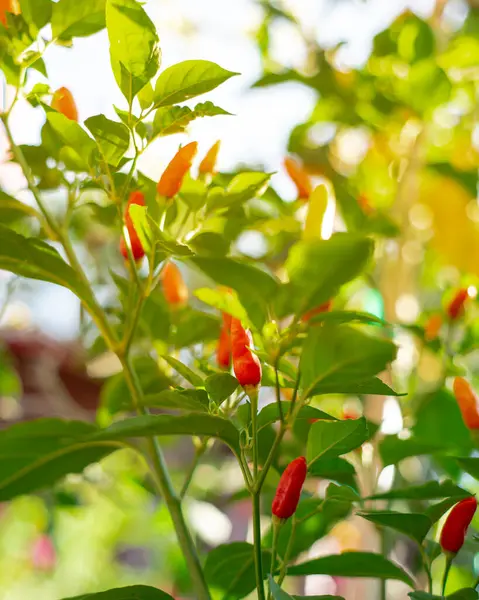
(221, 31)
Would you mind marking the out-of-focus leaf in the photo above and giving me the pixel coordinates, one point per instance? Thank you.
(413, 525)
(71, 18)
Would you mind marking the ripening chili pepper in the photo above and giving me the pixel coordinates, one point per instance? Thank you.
(299, 177)
(223, 349)
(174, 287)
(289, 489)
(208, 164)
(246, 364)
(467, 402)
(172, 178)
(456, 306)
(432, 327)
(325, 307)
(135, 242)
(454, 530)
(10, 6)
(64, 103)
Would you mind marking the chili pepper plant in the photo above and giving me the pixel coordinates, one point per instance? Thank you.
(332, 370)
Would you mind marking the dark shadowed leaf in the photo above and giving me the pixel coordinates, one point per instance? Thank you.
(428, 491)
(133, 592)
(229, 569)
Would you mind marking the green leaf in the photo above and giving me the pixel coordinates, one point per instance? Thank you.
(193, 193)
(194, 327)
(208, 109)
(191, 424)
(37, 454)
(145, 96)
(317, 269)
(334, 357)
(220, 386)
(329, 439)
(175, 119)
(270, 413)
(336, 469)
(73, 136)
(413, 525)
(187, 400)
(33, 258)
(36, 12)
(229, 569)
(187, 79)
(209, 243)
(241, 188)
(134, 48)
(184, 371)
(347, 316)
(71, 18)
(393, 450)
(464, 594)
(255, 288)
(353, 564)
(373, 386)
(132, 592)
(436, 511)
(12, 209)
(470, 465)
(279, 594)
(427, 491)
(112, 138)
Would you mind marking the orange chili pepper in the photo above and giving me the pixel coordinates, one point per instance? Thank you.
(325, 307)
(136, 247)
(172, 178)
(364, 204)
(246, 364)
(208, 164)
(64, 103)
(299, 177)
(467, 401)
(174, 287)
(432, 327)
(10, 6)
(223, 349)
(456, 306)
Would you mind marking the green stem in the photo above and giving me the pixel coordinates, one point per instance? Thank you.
(383, 582)
(274, 548)
(165, 488)
(447, 568)
(278, 390)
(196, 460)
(287, 553)
(258, 559)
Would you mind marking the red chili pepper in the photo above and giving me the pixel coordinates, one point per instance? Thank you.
(246, 364)
(467, 401)
(208, 164)
(289, 488)
(174, 287)
(299, 177)
(10, 6)
(136, 247)
(172, 178)
(64, 102)
(454, 531)
(223, 349)
(325, 307)
(456, 306)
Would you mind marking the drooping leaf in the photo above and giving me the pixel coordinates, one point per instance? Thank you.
(190, 424)
(335, 357)
(37, 454)
(329, 439)
(318, 268)
(229, 569)
(71, 18)
(133, 592)
(112, 138)
(134, 47)
(187, 79)
(414, 525)
(427, 491)
(353, 564)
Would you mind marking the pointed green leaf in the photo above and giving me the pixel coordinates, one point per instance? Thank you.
(187, 373)
(73, 136)
(353, 564)
(329, 439)
(71, 18)
(220, 386)
(187, 79)
(132, 592)
(36, 12)
(241, 188)
(279, 594)
(134, 47)
(112, 138)
(427, 491)
(414, 525)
